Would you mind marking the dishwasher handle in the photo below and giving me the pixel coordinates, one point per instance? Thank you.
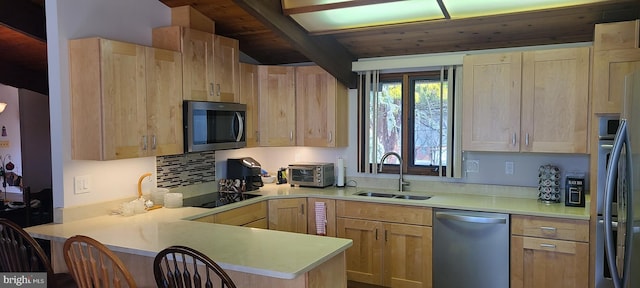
(471, 219)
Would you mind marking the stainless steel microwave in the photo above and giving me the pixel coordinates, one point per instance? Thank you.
(213, 125)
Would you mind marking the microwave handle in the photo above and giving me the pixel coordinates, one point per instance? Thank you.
(240, 127)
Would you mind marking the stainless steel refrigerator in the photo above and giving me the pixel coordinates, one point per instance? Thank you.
(623, 174)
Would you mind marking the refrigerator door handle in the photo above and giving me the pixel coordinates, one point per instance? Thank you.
(610, 183)
(626, 270)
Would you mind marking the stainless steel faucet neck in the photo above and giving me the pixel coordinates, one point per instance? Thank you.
(401, 182)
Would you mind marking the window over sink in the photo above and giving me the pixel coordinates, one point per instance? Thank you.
(412, 113)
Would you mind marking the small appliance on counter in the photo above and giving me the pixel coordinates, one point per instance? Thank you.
(282, 176)
(312, 174)
(549, 184)
(574, 191)
(246, 169)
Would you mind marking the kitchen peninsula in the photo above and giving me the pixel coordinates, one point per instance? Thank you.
(252, 257)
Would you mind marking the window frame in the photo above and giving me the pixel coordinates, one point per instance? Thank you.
(407, 81)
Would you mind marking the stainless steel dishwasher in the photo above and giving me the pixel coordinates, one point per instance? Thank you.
(470, 249)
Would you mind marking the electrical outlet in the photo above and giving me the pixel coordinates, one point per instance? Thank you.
(473, 166)
(508, 168)
(82, 184)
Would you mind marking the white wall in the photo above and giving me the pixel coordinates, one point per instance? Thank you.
(124, 20)
(10, 120)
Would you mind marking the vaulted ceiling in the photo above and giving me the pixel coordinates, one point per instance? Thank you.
(268, 36)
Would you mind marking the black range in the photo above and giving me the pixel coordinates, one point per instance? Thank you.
(216, 199)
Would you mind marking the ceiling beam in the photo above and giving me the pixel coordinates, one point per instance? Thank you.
(325, 51)
(24, 16)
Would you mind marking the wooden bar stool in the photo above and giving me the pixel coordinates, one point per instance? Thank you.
(177, 266)
(19, 252)
(93, 265)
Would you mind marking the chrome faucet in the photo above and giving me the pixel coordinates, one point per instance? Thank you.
(401, 182)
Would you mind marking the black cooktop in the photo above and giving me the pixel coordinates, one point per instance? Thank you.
(215, 199)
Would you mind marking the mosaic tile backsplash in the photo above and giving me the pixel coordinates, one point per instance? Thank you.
(186, 169)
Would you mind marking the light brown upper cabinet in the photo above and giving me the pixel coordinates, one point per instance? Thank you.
(491, 101)
(249, 97)
(197, 59)
(227, 69)
(277, 100)
(321, 109)
(126, 100)
(609, 69)
(535, 101)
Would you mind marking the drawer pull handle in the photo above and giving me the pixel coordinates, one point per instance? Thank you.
(549, 246)
(548, 229)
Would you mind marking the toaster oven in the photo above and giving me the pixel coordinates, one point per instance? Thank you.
(311, 174)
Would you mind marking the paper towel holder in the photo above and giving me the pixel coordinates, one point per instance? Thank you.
(340, 177)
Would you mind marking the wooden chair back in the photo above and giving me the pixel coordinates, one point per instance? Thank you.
(93, 265)
(19, 252)
(180, 266)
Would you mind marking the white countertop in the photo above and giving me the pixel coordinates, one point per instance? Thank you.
(475, 202)
(266, 252)
(250, 250)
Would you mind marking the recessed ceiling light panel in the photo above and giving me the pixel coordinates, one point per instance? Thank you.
(474, 8)
(369, 15)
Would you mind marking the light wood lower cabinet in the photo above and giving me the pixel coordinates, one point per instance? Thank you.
(383, 252)
(330, 216)
(288, 215)
(253, 215)
(549, 252)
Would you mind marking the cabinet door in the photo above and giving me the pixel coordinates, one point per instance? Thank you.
(227, 70)
(407, 255)
(249, 96)
(198, 69)
(321, 104)
(555, 100)
(164, 102)
(491, 102)
(243, 215)
(539, 262)
(108, 91)
(330, 216)
(277, 105)
(609, 70)
(288, 215)
(364, 262)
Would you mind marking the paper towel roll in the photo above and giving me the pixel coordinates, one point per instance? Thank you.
(340, 177)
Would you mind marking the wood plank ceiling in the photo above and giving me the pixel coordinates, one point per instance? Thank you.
(23, 45)
(269, 37)
(262, 36)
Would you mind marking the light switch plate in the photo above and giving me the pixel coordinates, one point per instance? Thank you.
(82, 184)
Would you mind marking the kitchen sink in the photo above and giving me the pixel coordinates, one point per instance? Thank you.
(412, 197)
(388, 195)
(375, 194)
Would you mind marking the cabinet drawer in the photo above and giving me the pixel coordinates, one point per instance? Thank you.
(242, 215)
(384, 212)
(206, 219)
(551, 228)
